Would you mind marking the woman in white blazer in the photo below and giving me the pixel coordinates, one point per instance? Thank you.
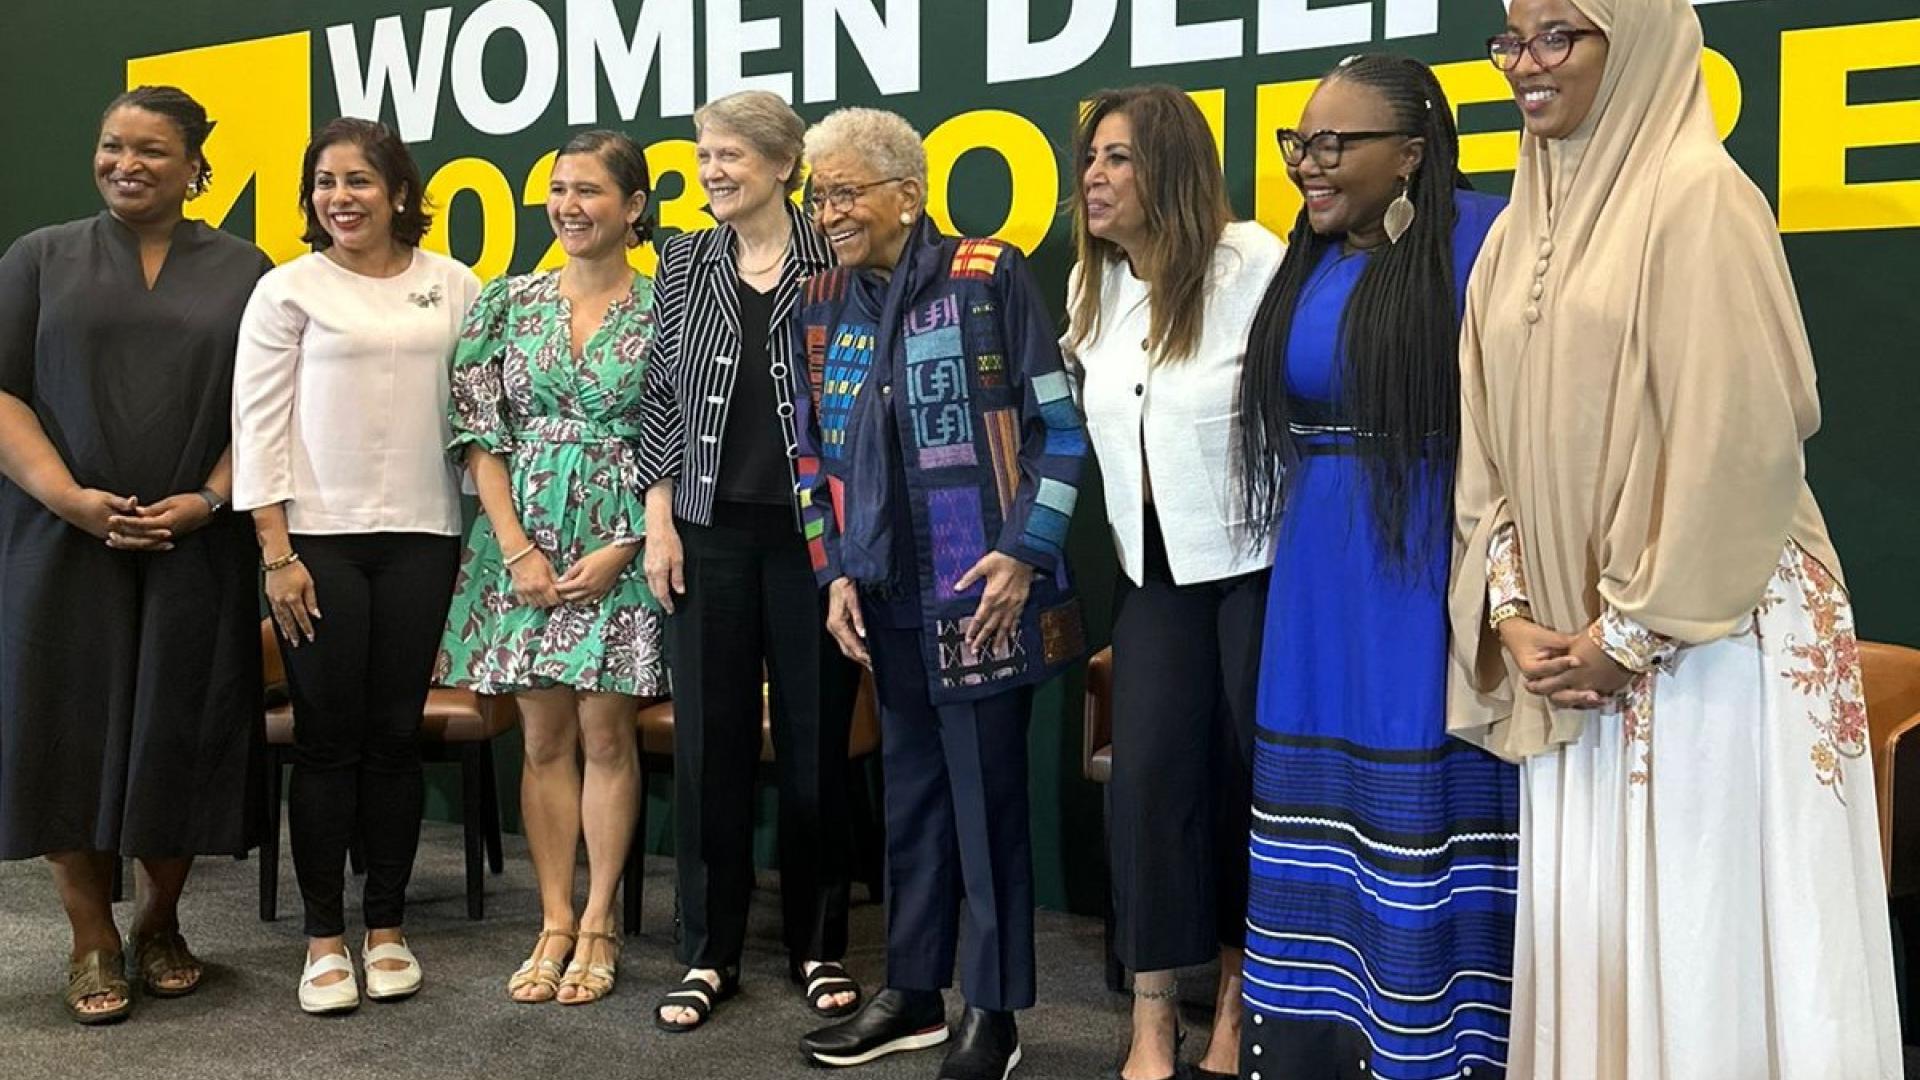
(1160, 305)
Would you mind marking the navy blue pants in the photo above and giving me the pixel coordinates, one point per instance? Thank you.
(958, 842)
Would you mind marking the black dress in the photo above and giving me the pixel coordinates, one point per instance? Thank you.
(129, 681)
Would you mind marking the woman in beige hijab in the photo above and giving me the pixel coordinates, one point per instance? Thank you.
(1646, 609)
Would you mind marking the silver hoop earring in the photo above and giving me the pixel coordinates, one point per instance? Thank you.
(1399, 214)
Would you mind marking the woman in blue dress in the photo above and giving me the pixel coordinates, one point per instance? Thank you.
(1380, 912)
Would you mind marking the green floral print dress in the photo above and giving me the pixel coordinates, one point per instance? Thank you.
(568, 427)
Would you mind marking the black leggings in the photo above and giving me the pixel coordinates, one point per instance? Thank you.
(358, 689)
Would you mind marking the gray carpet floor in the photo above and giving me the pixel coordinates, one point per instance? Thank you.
(244, 1022)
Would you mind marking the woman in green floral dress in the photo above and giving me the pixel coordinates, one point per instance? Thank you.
(551, 604)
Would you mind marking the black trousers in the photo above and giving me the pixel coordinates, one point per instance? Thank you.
(358, 689)
(958, 838)
(1186, 667)
(752, 606)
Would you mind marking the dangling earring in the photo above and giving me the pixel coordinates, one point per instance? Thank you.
(1399, 214)
(195, 189)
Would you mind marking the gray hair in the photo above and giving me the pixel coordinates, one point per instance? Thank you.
(882, 139)
(766, 122)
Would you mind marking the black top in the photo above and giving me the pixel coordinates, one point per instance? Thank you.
(133, 385)
(129, 681)
(691, 361)
(753, 453)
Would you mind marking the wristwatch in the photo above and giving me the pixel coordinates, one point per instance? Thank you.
(216, 502)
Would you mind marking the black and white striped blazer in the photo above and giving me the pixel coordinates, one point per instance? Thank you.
(694, 355)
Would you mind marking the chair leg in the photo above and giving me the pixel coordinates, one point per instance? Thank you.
(633, 878)
(119, 879)
(356, 857)
(869, 831)
(490, 810)
(270, 843)
(1116, 972)
(473, 757)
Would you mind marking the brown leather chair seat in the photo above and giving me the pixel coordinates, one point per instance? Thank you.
(656, 726)
(1891, 674)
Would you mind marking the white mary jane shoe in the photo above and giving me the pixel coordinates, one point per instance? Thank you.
(338, 997)
(383, 985)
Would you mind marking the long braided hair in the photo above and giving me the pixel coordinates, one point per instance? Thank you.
(1400, 378)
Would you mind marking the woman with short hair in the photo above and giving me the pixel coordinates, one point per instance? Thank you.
(550, 606)
(130, 679)
(340, 427)
(943, 452)
(1160, 304)
(726, 557)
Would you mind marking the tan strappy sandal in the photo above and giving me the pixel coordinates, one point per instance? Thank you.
(590, 981)
(164, 956)
(540, 970)
(99, 973)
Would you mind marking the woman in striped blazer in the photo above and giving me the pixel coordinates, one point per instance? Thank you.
(725, 556)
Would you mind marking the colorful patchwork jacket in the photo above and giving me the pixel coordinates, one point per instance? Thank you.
(988, 439)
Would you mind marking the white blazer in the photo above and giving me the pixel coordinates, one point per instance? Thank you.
(1183, 413)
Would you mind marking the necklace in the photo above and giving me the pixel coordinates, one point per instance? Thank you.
(748, 271)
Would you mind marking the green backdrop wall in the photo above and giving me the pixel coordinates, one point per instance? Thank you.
(1819, 101)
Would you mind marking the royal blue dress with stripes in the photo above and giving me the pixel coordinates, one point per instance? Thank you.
(1383, 852)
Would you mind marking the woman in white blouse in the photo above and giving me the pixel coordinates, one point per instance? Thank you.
(339, 416)
(1161, 302)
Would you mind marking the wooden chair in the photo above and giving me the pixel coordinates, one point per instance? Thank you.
(1892, 677)
(1096, 764)
(457, 726)
(655, 722)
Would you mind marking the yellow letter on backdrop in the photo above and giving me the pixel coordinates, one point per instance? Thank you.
(1818, 127)
(1030, 164)
(497, 211)
(258, 95)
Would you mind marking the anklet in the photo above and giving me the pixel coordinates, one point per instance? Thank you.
(1168, 994)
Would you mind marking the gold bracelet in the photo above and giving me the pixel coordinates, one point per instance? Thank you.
(282, 562)
(521, 554)
(1513, 609)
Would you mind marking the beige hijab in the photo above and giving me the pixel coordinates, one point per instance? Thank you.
(1635, 382)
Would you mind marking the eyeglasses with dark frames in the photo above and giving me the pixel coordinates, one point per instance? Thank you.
(1550, 48)
(1326, 145)
(842, 198)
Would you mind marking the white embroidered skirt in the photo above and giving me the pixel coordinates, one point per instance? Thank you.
(1701, 893)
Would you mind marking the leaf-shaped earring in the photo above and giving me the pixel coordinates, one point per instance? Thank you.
(1399, 214)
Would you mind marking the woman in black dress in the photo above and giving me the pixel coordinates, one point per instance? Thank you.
(129, 640)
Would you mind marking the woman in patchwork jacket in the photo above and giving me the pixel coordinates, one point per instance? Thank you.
(940, 466)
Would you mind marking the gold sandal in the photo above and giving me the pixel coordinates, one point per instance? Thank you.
(158, 956)
(96, 974)
(539, 971)
(594, 981)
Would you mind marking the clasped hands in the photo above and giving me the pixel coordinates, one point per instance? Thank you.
(125, 525)
(1569, 670)
(591, 576)
(996, 620)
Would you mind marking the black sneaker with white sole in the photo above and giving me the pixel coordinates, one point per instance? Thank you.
(987, 1047)
(890, 1022)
